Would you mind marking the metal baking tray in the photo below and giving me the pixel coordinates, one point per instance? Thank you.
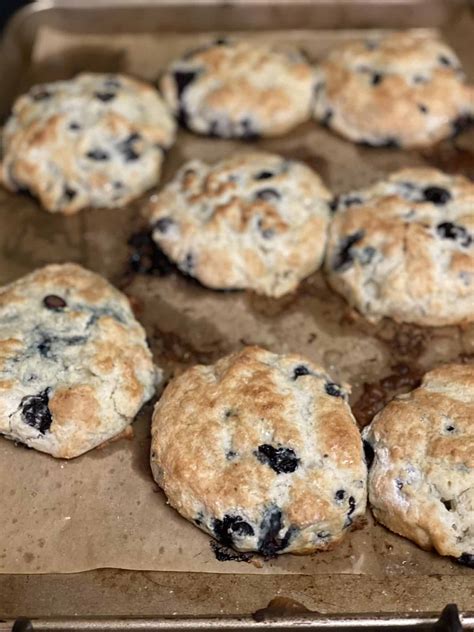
(111, 599)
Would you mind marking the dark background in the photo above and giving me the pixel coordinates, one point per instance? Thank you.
(8, 7)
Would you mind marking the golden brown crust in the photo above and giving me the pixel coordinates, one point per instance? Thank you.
(214, 436)
(404, 88)
(421, 483)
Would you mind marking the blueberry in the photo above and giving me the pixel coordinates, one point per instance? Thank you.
(163, 224)
(399, 484)
(345, 257)
(183, 78)
(188, 264)
(422, 108)
(376, 78)
(53, 302)
(366, 255)
(98, 155)
(436, 195)
(126, 147)
(299, 371)
(267, 195)
(281, 460)
(327, 117)
(334, 203)
(448, 230)
(44, 347)
(445, 61)
(351, 200)
(249, 133)
(333, 389)
(368, 453)
(230, 527)
(69, 194)
(35, 411)
(112, 82)
(40, 94)
(450, 428)
(267, 233)
(74, 126)
(352, 506)
(270, 541)
(340, 494)
(466, 559)
(230, 455)
(221, 41)
(104, 96)
(264, 175)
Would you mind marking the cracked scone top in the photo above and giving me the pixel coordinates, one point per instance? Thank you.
(75, 367)
(95, 140)
(255, 220)
(404, 248)
(261, 451)
(402, 89)
(239, 89)
(421, 481)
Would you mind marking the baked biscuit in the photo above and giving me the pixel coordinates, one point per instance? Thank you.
(95, 140)
(404, 248)
(239, 89)
(421, 482)
(402, 89)
(75, 367)
(254, 220)
(262, 452)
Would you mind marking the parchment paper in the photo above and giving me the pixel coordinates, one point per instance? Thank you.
(103, 509)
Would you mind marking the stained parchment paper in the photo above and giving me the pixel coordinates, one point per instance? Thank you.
(103, 509)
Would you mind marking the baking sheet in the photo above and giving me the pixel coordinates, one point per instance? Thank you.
(103, 509)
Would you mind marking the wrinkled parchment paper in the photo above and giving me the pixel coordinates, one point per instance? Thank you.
(103, 509)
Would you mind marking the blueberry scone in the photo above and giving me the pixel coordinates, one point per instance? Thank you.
(402, 89)
(421, 481)
(254, 220)
(262, 452)
(404, 248)
(75, 367)
(95, 140)
(239, 89)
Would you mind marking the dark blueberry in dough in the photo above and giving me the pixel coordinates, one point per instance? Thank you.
(422, 108)
(299, 371)
(448, 230)
(436, 195)
(445, 61)
(461, 123)
(249, 133)
(334, 203)
(221, 41)
(69, 194)
(105, 96)
(264, 175)
(366, 255)
(270, 540)
(352, 506)
(126, 147)
(183, 78)
(35, 411)
(351, 200)
(231, 526)
(40, 94)
(333, 389)
(390, 142)
(450, 428)
(54, 302)
(324, 535)
(267, 233)
(327, 117)
(44, 346)
(368, 453)
(376, 78)
(97, 154)
(466, 559)
(281, 460)
(163, 224)
(340, 494)
(399, 484)
(74, 126)
(345, 257)
(268, 195)
(419, 79)
(230, 455)
(112, 83)
(188, 263)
